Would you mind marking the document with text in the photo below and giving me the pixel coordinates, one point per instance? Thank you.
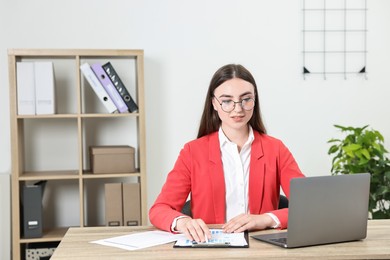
(140, 240)
(218, 239)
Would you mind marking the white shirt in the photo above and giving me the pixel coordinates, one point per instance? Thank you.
(236, 172)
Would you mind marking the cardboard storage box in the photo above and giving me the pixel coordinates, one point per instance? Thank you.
(123, 204)
(112, 159)
(114, 206)
(131, 204)
(38, 251)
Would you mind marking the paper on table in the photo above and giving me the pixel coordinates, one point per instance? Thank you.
(218, 237)
(140, 240)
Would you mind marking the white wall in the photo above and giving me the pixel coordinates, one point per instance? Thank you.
(5, 216)
(185, 42)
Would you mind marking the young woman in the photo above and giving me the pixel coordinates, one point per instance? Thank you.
(233, 171)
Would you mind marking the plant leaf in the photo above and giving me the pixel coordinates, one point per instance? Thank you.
(343, 128)
(366, 153)
(387, 174)
(352, 147)
(333, 149)
(383, 190)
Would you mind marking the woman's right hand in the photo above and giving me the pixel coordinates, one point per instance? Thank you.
(194, 229)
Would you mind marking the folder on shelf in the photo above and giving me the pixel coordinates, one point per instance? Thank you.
(44, 88)
(25, 82)
(109, 87)
(131, 204)
(98, 88)
(116, 80)
(113, 200)
(32, 209)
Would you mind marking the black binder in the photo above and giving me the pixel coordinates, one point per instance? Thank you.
(31, 203)
(120, 87)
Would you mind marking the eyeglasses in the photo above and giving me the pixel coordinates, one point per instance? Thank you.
(229, 105)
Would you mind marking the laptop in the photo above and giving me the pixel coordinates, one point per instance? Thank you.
(324, 210)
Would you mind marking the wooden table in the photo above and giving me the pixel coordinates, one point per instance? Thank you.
(75, 245)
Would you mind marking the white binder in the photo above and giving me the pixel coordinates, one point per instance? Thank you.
(25, 88)
(98, 88)
(44, 88)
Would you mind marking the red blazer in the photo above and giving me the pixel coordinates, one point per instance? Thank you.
(198, 170)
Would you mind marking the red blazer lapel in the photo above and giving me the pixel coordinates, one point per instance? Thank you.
(217, 178)
(256, 175)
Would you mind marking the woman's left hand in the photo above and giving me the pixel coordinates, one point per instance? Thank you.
(244, 222)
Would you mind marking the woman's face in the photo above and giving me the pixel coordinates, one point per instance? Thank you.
(236, 90)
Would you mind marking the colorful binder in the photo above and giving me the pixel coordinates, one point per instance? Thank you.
(98, 88)
(109, 87)
(116, 80)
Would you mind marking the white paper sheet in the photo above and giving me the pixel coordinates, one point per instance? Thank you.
(140, 240)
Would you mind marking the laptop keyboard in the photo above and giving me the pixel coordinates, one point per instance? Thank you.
(281, 240)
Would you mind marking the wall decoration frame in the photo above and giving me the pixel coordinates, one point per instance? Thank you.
(334, 38)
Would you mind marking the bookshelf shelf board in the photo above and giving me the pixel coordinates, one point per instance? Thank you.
(49, 175)
(90, 53)
(51, 235)
(57, 116)
(110, 115)
(89, 175)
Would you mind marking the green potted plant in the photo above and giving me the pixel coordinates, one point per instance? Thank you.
(362, 150)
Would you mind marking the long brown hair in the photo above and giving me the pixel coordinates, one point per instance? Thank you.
(210, 121)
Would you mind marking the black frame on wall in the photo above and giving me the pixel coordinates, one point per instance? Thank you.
(334, 37)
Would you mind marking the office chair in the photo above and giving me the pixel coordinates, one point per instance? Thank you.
(283, 203)
(187, 208)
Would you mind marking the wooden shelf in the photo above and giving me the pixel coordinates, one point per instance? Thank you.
(49, 175)
(53, 53)
(51, 235)
(71, 116)
(110, 175)
(79, 124)
(57, 116)
(109, 115)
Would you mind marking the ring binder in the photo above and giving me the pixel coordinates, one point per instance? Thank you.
(116, 80)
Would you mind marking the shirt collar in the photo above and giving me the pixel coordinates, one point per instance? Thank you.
(224, 140)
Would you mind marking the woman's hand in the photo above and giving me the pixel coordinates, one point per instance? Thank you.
(244, 222)
(194, 229)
